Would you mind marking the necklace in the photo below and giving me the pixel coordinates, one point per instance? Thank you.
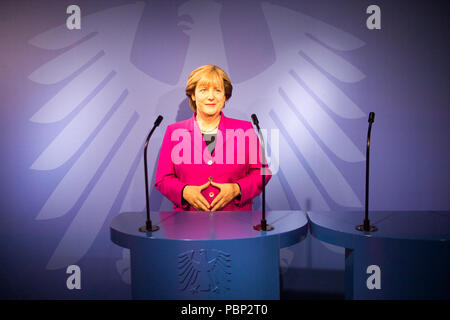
(210, 130)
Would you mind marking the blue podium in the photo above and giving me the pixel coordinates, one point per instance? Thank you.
(407, 258)
(202, 255)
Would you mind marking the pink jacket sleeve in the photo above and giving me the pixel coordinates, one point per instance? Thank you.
(166, 180)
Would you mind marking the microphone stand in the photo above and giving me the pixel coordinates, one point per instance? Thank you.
(148, 223)
(366, 227)
(263, 226)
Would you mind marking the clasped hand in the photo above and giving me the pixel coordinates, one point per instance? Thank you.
(193, 195)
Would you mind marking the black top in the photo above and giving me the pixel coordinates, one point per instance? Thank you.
(210, 140)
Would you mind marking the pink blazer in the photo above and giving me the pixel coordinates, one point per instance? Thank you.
(184, 159)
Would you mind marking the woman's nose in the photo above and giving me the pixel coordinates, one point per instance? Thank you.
(210, 95)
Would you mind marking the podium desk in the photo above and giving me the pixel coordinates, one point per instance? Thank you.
(203, 255)
(407, 258)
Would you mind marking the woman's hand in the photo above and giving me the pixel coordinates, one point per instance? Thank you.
(228, 191)
(192, 194)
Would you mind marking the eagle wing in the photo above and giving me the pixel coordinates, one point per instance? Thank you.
(220, 268)
(188, 269)
(298, 96)
(105, 102)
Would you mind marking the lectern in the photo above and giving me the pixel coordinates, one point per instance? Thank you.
(407, 258)
(207, 255)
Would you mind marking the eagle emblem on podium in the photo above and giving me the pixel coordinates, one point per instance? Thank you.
(204, 270)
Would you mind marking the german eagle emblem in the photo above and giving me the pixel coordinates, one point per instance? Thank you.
(204, 270)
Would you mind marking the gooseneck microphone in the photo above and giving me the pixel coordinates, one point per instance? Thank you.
(366, 225)
(148, 224)
(263, 226)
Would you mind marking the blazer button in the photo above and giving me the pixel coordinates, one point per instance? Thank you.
(210, 162)
(210, 178)
(211, 194)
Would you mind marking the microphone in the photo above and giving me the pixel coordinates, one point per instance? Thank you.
(158, 121)
(366, 225)
(263, 226)
(255, 121)
(148, 223)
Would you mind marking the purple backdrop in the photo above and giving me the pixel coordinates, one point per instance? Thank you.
(77, 105)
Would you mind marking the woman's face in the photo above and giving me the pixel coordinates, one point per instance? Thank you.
(209, 98)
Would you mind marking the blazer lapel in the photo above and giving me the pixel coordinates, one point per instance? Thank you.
(221, 139)
(198, 143)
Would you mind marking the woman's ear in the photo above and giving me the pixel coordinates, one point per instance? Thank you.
(193, 97)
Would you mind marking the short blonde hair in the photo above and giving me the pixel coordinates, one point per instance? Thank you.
(214, 75)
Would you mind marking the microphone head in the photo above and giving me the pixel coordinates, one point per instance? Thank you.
(255, 120)
(371, 116)
(158, 120)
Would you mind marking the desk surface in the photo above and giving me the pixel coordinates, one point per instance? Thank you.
(339, 227)
(222, 225)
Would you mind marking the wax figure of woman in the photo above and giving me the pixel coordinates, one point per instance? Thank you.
(210, 162)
